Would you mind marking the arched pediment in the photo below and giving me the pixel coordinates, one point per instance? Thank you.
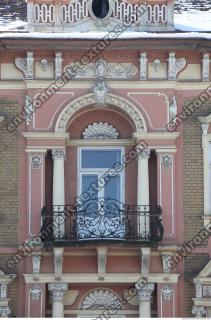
(112, 100)
(100, 299)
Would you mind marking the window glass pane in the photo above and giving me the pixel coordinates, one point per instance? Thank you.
(112, 188)
(87, 180)
(100, 158)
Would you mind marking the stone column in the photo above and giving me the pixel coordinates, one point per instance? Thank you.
(143, 190)
(58, 291)
(145, 300)
(58, 191)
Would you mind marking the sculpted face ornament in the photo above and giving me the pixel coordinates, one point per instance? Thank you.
(101, 68)
(100, 89)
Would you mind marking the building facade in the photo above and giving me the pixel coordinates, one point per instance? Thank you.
(105, 163)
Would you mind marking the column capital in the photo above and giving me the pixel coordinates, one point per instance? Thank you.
(4, 312)
(146, 291)
(59, 154)
(145, 154)
(58, 290)
(198, 311)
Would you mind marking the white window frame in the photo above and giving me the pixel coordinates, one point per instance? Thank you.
(81, 171)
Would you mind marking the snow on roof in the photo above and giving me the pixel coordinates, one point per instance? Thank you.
(193, 20)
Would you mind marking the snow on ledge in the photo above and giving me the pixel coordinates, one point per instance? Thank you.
(101, 35)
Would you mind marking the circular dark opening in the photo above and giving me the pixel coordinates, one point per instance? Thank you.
(100, 8)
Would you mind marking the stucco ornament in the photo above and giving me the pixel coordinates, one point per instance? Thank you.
(205, 127)
(89, 99)
(28, 108)
(146, 292)
(166, 161)
(3, 291)
(100, 91)
(35, 292)
(173, 110)
(101, 68)
(100, 299)
(36, 161)
(36, 259)
(156, 65)
(198, 311)
(30, 65)
(175, 66)
(21, 64)
(44, 64)
(113, 71)
(206, 67)
(58, 290)
(167, 292)
(143, 66)
(100, 131)
(58, 65)
(26, 65)
(4, 312)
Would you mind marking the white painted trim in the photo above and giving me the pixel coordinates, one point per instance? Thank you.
(99, 143)
(41, 170)
(155, 84)
(108, 278)
(85, 84)
(45, 135)
(160, 94)
(157, 135)
(131, 109)
(172, 234)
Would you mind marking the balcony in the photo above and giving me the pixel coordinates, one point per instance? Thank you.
(81, 15)
(101, 221)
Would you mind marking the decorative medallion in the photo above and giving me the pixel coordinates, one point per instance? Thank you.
(44, 64)
(167, 292)
(100, 91)
(156, 65)
(100, 131)
(100, 299)
(36, 161)
(35, 292)
(166, 161)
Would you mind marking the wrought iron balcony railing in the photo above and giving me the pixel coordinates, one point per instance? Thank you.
(101, 220)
